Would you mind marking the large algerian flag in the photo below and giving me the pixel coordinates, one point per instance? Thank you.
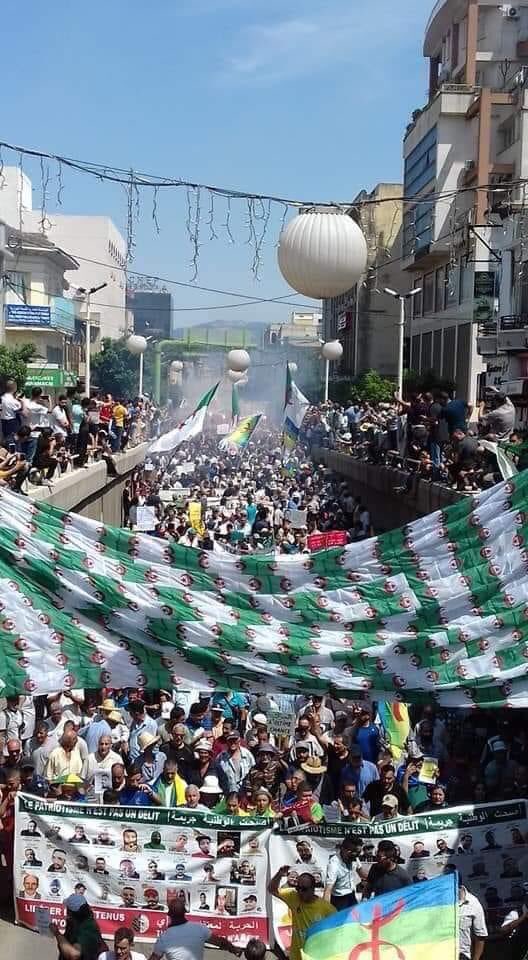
(436, 611)
(239, 438)
(190, 427)
(235, 404)
(295, 407)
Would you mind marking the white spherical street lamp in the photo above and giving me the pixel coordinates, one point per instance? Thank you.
(136, 345)
(293, 367)
(330, 351)
(177, 366)
(238, 360)
(322, 253)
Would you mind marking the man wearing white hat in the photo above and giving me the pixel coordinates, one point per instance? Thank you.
(151, 760)
(210, 791)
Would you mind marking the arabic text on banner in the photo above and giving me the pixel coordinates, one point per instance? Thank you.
(485, 844)
(131, 861)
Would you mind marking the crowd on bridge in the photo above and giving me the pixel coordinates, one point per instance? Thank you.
(42, 439)
(432, 436)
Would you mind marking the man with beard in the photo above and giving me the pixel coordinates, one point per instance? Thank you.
(387, 784)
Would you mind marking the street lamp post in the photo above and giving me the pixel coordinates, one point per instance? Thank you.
(136, 345)
(88, 365)
(402, 297)
(331, 350)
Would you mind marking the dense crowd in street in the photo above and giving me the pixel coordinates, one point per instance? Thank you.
(227, 753)
(223, 753)
(432, 436)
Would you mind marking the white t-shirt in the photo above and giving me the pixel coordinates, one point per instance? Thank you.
(59, 420)
(184, 941)
(110, 955)
(36, 414)
(10, 406)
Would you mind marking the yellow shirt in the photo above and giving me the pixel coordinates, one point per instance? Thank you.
(303, 916)
(119, 413)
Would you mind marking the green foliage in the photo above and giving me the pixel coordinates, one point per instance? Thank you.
(427, 382)
(115, 370)
(372, 388)
(13, 363)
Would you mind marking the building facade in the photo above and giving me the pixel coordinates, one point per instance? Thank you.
(35, 309)
(95, 243)
(461, 151)
(152, 312)
(364, 318)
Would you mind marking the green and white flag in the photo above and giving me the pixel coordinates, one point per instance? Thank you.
(190, 427)
(436, 611)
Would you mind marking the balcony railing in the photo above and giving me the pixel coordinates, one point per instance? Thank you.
(490, 328)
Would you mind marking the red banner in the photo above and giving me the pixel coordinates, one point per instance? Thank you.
(146, 924)
(323, 541)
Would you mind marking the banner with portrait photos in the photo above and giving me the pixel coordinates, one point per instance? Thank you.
(486, 844)
(129, 862)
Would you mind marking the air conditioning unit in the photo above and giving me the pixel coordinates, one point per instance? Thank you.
(469, 165)
(509, 12)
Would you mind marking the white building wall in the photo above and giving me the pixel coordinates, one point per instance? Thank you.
(85, 238)
(100, 249)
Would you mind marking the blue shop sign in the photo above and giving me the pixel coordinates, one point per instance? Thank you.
(23, 315)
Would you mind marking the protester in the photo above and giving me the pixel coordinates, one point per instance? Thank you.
(305, 906)
(82, 938)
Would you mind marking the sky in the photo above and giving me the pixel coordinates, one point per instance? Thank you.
(299, 100)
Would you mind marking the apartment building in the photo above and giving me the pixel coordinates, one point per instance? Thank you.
(95, 243)
(469, 135)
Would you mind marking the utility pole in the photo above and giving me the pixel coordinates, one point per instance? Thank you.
(88, 367)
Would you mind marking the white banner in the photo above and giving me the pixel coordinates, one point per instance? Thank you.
(129, 862)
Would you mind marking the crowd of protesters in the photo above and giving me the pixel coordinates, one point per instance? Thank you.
(433, 436)
(42, 439)
(247, 503)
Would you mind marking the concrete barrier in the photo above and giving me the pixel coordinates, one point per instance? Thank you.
(380, 489)
(91, 491)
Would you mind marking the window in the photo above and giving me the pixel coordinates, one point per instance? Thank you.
(418, 227)
(428, 293)
(508, 133)
(417, 301)
(20, 283)
(420, 165)
(466, 281)
(441, 292)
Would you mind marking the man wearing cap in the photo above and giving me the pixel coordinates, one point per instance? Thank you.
(267, 772)
(315, 772)
(359, 771)
(141, 723)
(82, 939)
(389, 809)
(97, 727)
(233, 765)
(250, 904)
(260, 723)
(217, 719)
(151, 760)
(210, 791)
(302, 734)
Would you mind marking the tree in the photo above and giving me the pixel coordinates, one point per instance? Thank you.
(372, 388)
(115, 369)
(13, 363)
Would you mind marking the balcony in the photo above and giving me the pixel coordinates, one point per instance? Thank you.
(509, 333)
